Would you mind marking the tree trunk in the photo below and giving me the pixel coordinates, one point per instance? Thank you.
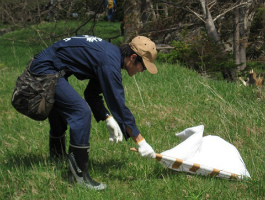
(157, 11)
(131, 21)
(147, 10)
(239, 39)
(228, 74)
(165, 8)
(209, 23)
(243, 19)
(236, 39)
(243, 40)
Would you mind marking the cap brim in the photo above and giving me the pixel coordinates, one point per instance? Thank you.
(150, 66)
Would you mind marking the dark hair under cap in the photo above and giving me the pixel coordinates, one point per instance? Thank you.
(126, 51)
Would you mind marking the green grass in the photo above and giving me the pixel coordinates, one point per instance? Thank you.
(163, 104)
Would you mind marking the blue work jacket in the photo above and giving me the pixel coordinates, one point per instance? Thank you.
(89, 57)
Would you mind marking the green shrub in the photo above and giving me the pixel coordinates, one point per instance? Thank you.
(199, 53)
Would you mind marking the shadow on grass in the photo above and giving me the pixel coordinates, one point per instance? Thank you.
(111, 168)
(24, 160)
(32, 161)
(120, 170)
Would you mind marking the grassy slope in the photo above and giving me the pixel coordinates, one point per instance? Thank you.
(163, 104)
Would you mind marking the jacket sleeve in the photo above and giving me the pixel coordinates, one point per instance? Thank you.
(110, 79)
(94, 99)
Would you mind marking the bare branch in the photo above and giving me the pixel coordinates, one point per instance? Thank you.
(211, 4)
(196, 14)
(93, 17)
(228, 10)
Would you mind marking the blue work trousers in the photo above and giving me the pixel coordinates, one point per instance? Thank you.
(111, 14)
(70, 109)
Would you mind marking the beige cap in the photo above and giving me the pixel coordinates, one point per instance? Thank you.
(145, 48)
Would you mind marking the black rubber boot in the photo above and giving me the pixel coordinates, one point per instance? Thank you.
(78, 163)
(57, 147)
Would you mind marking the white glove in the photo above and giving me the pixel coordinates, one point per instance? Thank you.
(145, 150)
(115, 133)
